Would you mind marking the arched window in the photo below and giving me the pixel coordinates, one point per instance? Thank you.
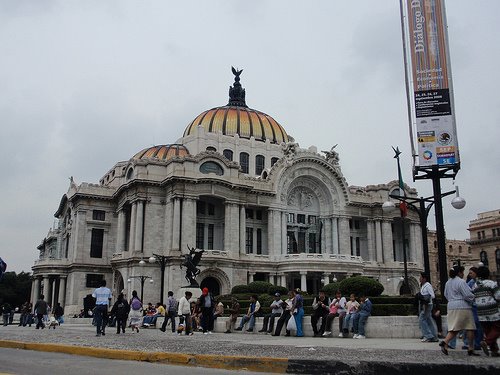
(460, 249)
(244, 161)
(130, 173)
(228, 154)
(259, 164)
(497, 256)
(484, 258)
(210, 148)
(211, 167)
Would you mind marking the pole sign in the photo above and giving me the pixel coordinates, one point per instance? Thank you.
(430, 71)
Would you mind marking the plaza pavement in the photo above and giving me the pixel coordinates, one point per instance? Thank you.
(255, 352)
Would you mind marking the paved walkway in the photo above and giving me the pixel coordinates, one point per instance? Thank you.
(257, 352)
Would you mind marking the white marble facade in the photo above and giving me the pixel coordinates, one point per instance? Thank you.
(297, 223)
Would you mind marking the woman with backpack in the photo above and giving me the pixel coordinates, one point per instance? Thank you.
(120, 311)
(135, 315)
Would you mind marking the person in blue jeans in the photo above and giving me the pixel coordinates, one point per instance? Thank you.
(253, 311)
(298, 311)
(359, 321)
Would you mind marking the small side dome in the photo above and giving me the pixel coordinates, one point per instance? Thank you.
(162, 152)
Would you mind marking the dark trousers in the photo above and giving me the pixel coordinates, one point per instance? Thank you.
(268, 324)
(491, 333)
(121, 323)
(188, 323)
(101, 318)
(207, 319)
(171, 315)
(283, 320)
(314, 322)
(39, 321)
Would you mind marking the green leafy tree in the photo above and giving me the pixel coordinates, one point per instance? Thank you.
(15, 288)
(361, 285)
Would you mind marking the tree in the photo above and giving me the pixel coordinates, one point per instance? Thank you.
(15, 288)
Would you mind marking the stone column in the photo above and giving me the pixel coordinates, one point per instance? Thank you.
(36, 290)
(387, 244)
(270, 232)
(139, 225)
(284, 238)
(370, 240)
(344, 236)
(328, 236)
(227, 226)
(176, 224)
(188, 237)
(303, 280)
(168, 225)
(378, 241)
(133, 220)
(61, 296)
(250, 277)
(335, 235)
(53, 293)
(121, 233)
(326, 277)
(243, 226)
(282, 277)
(322, 241)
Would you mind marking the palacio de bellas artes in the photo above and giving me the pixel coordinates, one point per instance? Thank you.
(237, 185)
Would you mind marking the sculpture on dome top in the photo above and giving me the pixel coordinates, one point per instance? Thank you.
(236, 92)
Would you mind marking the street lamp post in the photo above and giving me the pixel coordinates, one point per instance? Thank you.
(423, 213)
(143, 279)
(162, 261)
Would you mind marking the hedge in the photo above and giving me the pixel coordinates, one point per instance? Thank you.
(361, 285)
(259, 287)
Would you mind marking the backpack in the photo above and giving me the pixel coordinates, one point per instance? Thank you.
(136, 304)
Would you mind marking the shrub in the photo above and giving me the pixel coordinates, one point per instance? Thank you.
(240, 289)
(331, 288)
(259, 287)
(265, 300)
(277, 289)
(361, 285)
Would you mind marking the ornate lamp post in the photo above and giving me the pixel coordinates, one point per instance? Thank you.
(419, 206)
(162, 261)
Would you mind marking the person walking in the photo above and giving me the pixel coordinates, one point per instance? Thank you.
(460, 316)
(185, 312)
(487, 298)
(58, 313)
(425, 304)
(135, 315)
(207, 305)
(120, 310)
(171, 312)
(40, 309)
(102, 297)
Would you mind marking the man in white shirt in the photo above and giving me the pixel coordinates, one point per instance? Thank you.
(426, 297)
(184, 310)
(102, 296)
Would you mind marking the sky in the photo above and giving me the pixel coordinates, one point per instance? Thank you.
(85, 84)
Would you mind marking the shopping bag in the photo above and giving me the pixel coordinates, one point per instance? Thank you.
(291, 325)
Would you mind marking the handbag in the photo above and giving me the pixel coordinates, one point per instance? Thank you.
(291, 325)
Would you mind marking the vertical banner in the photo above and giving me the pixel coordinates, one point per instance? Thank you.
(433, 103)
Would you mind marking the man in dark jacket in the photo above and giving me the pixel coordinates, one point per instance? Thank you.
(207, 304)
(58, 313)
(40, 308)
(120, 310)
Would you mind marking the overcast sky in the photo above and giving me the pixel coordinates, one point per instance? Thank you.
(84, 84)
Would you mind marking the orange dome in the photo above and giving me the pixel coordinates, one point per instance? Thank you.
(162, 152)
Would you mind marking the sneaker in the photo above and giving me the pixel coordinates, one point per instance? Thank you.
(209, 332)
(190, 334)
(341, 335)
(228, 331)
(327, 333)
(262, 330)
(205, 333)
(355, 336)
(250, 330)
(238, 329)
(424, 339)
(162, 329)
(361, 337)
